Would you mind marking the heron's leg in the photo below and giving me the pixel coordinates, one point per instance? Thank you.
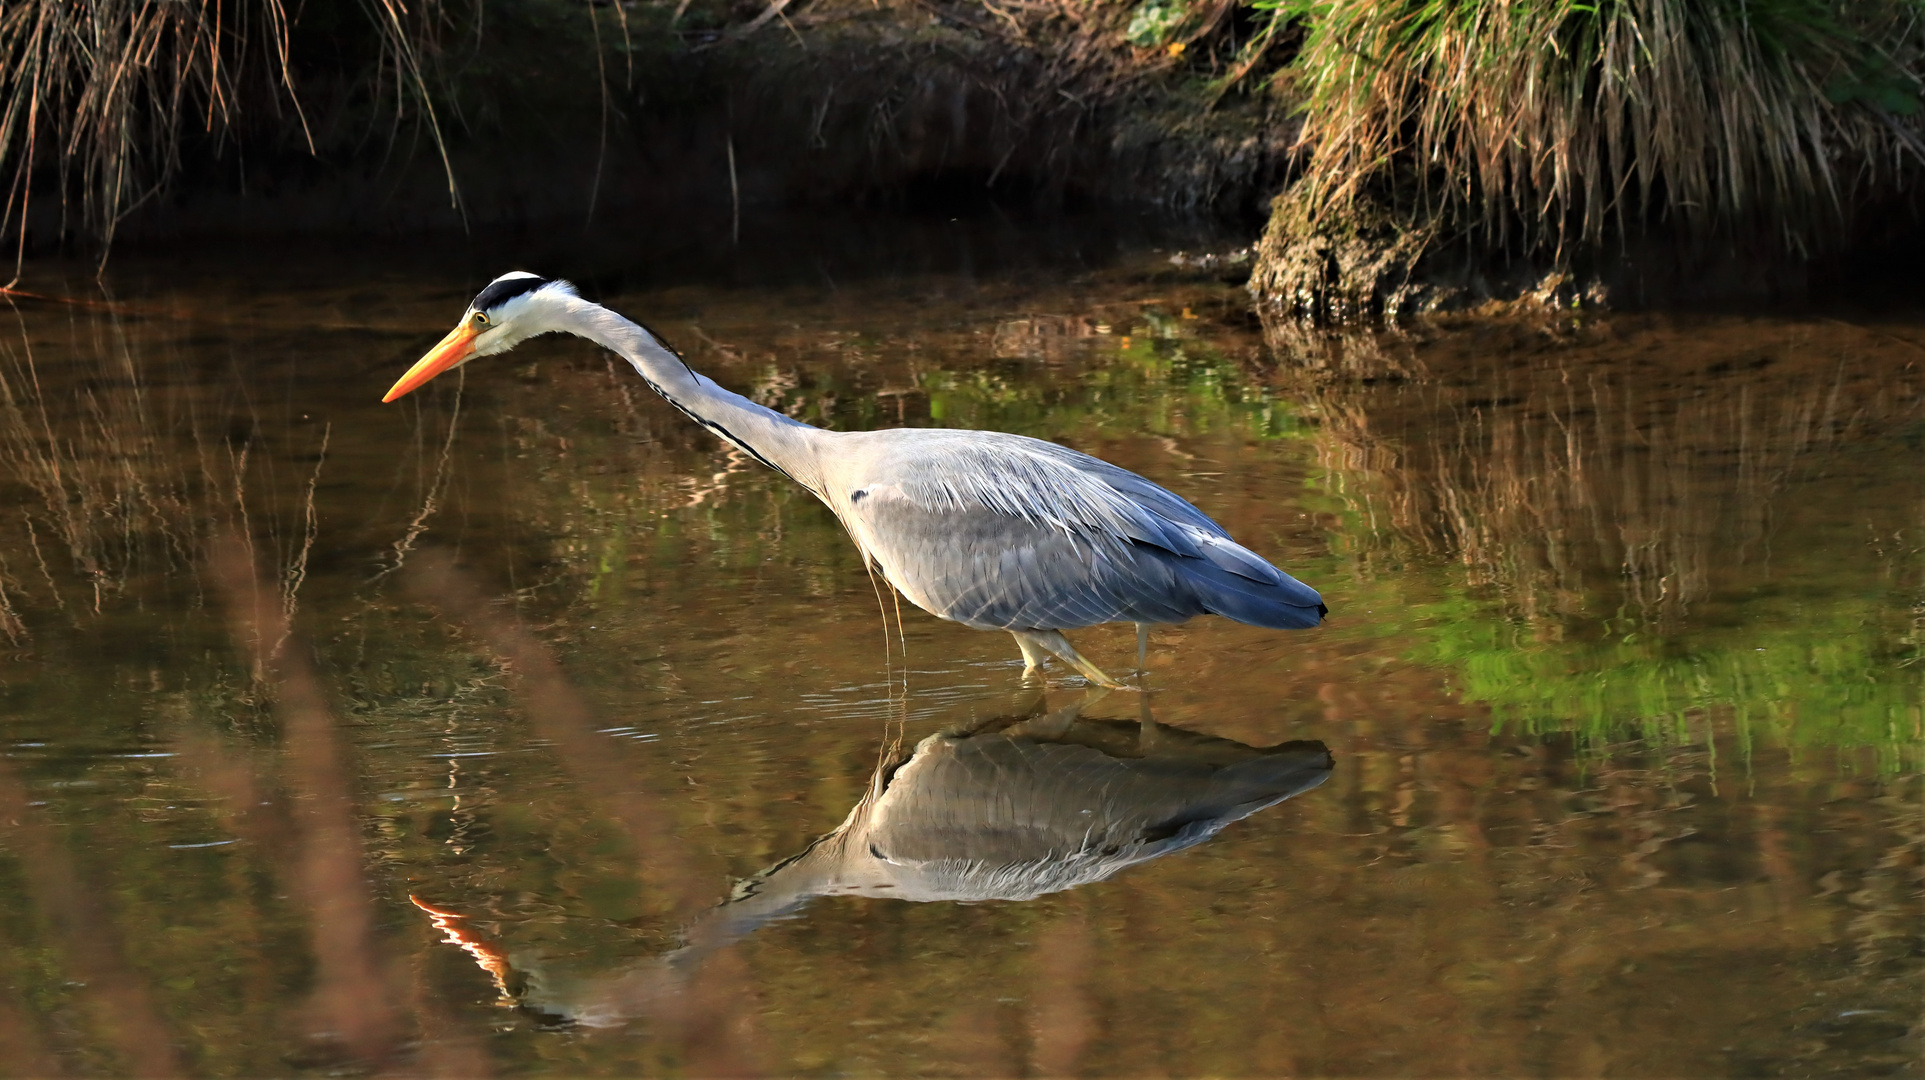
(1033, 652)
(1142, 644)
(1055, 642)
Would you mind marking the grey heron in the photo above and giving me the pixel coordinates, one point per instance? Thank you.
(988, 529)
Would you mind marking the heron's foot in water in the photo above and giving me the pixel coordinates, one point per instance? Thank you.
(1036, 642)
(1033, 654)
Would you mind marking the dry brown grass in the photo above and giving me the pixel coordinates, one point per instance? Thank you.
(1541, 124)
(96, 96)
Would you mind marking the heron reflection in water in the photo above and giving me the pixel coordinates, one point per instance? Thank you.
(988, 529)
(1012, 810)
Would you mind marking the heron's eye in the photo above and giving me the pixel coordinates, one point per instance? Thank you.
(481, 319)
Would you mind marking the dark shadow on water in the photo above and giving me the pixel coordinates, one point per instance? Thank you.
(982, 240)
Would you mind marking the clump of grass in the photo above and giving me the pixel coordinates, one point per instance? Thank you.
(95, 95)
(1543, 123)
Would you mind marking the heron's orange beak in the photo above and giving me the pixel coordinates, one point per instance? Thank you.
(450, 352)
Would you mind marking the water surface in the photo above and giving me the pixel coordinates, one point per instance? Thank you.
(1607, 761)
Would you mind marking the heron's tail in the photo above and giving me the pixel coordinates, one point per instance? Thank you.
(1286, 604)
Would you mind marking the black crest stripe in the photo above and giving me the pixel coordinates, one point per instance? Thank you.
(499, 291)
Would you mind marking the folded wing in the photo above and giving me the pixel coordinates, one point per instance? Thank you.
(1000, 531)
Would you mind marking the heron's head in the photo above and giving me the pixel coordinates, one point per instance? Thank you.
(513, 308)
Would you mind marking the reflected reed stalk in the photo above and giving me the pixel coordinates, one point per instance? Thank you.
(709, 1019)
(353, 996)
(559, 716)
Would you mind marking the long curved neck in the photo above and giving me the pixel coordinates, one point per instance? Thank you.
(783, 444)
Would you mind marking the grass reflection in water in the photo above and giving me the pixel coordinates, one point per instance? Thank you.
(1656, 525)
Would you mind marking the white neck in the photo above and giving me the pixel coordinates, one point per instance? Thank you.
(783, 444)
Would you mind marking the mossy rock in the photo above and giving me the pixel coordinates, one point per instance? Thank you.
(1354, 265)
(1373, 261)
(1376, 263)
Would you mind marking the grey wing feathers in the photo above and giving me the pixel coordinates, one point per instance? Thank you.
(1001, 531)
(994, 572)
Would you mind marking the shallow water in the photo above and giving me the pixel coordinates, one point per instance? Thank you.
(1620, 692)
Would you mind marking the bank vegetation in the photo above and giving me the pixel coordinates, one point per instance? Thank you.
(1579, 148)
(1429, 153)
